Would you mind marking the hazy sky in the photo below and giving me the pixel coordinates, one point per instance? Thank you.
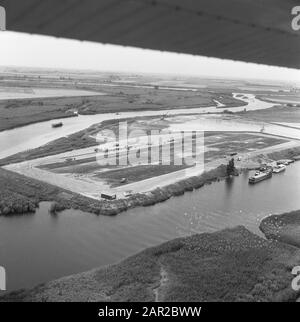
(19, 49)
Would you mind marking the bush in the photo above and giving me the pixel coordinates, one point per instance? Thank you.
(56, 207)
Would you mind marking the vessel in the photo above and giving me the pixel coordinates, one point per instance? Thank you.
(279, 168)
(260, 176)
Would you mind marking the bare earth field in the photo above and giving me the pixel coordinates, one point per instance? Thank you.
(79, 171)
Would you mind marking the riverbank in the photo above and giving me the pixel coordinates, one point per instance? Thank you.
(284, 227)
(228, 265)
(16, 113)
(21, 194)
(79, 140)
(25, 194)
(274, 154)
(292, 154)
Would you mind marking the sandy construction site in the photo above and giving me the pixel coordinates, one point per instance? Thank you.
(122, 168)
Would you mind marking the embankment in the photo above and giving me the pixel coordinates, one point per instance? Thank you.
(34, 191)
(229, 265)
(284, 227)
(292, 153)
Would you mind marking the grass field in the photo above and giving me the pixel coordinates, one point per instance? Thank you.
(275, 114)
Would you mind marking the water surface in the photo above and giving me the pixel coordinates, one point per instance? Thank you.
(41, 247)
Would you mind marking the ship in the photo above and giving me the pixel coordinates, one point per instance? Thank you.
(279, 168)
(56, 125)
(285, 161)
(260, 176)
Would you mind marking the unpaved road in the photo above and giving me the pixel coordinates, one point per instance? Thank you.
(88, 187)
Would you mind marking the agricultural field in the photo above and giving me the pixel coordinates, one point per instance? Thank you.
(42, 98)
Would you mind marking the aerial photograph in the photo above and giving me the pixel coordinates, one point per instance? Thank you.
(149, 152)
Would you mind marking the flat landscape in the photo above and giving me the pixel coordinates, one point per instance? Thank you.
(45, 97)
(64, 155)
(74, 161)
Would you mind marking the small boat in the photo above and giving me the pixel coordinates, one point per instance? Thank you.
(56, 125)
(279, 168)
(285, 161)
(260, 176)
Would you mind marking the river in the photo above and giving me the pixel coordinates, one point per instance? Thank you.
(35, 135)
(41, 247)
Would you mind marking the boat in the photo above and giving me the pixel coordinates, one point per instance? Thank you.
(260, 176)
(56, 125)
(279, 168)
(285, 161)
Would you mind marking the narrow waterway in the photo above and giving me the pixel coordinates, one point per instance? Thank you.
(35, 135)
(41, 247)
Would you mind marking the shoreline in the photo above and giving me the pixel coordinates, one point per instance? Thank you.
(65, 199)
(245, 268)
(282, 228)
(81, 113)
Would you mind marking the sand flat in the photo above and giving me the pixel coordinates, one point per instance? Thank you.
(8, 93)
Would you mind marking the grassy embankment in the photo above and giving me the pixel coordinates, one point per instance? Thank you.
(229, 265)
(19, 190)
(277, 113)
(285, 154)
(289, 100)
(284, 227)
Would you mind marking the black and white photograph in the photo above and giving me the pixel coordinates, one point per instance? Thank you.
(149, 153)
